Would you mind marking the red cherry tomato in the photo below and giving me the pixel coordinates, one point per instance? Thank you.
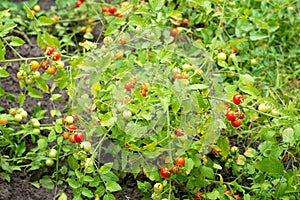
(79, 137)
(56, 56)
(175, 169)
(173, 32)
(49, 50)
(234, 50)
(104, 9)
(230, 115)
(236, 123)
(179, 132)
(112, 9)
(164, 172)
(78, 4)
(239, 114)
(144, 93)
(180, 161)
(45, 64)
(237, 99)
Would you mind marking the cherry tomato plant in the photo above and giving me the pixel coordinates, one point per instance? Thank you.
(199, 98)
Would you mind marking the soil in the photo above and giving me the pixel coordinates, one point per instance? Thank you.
(20, 187)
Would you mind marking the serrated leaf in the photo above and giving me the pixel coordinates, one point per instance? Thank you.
(112, 186)
(34, 93)
(16, 41)
(223, 144)
(6, 28)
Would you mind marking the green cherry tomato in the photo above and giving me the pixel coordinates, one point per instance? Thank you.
(52, 153)
(49, 162)
(18, 117)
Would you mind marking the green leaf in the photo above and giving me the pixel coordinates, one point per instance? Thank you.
(198, 87)
(47, 183)
(112, 186)
(249, 90)
(34, 92)
(6, 28)
(288, 136)
(111, 30)
(73, 162)
(109, 197)
(189, 165)
(247, 80)
(223, 144)
(157, 4)
(16, 41)
(207, 172)
(261, 24)
(86, 192)
(28, 12)
(45, 21)
(271, 166)
(3, 73)
(42, 144)
(56, 97)
(106, 168)
(21, 99)
(73, 183)
(257, 36)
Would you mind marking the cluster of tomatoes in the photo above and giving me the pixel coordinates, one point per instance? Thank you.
(131, 84)
(71, 134)
(111, 11)
(79, 3)
(53, 62)
(236, 116)
(18, 113)
(165, 172)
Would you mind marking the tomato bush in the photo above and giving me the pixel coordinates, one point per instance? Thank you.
(200, 97)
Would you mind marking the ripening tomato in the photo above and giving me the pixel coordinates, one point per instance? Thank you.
(60, 64)
(52, 153)
(66, 135)
(237, 99)
(3, 121)
(164, 172)
(177, 76)
(227, 192)
(236, 123)
(69, 119)
(234, 50)
(72, 138)
(158, 187)
(72, 127)
(185, 22)
(180, 161)
(198, 196)
(236, 196)
(51, 70)
(34, 65)
(79, 137)
(239, 114)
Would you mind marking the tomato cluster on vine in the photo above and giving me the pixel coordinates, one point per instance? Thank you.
(71, 134)
(236, 116)
(165, 172)
(111, 11)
